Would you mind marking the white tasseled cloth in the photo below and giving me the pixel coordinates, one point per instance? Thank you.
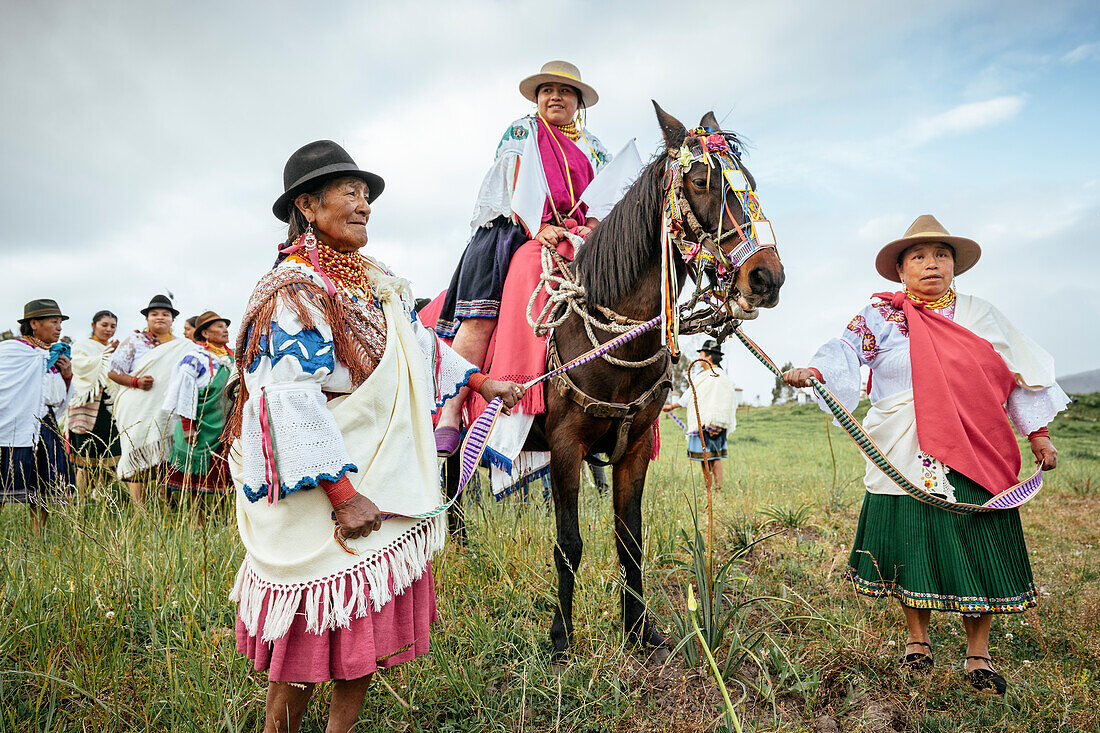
(291, 552)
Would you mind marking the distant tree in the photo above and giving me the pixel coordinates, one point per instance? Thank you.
(783, 392)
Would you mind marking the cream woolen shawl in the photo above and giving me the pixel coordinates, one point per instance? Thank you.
(291, 553)
(717, 399)
(142, 425)
(892, 421)
(90, 366)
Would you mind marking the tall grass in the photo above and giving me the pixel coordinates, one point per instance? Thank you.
(118, 622)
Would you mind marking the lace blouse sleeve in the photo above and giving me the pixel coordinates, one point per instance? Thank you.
(287, 379)
(449, 371)
(190, 375)
(1030, 410)
(839, 360)
(123, 358)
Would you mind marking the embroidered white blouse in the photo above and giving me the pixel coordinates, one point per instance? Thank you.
(878, 337)
(193, 373)
(129, 351)
(494, 198)
(298, 372)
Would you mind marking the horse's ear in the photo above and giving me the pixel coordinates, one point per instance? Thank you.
(673, 130)
(710, 121)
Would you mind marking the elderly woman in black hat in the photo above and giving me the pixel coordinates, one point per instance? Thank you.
(196, 395)
(716, 397)
(333, 422)
(35, 387)
(950, 377)
(140, 370)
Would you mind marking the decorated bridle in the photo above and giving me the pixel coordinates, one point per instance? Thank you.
(711, 260)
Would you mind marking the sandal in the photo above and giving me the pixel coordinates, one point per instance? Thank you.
(986, 680)
(917, 661)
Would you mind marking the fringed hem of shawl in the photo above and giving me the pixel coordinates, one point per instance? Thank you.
(147, 456)
(328, 602)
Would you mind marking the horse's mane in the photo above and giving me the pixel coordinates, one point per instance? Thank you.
(611, 262)
(618, 250)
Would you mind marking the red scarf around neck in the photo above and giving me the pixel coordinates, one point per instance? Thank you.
(960, 385)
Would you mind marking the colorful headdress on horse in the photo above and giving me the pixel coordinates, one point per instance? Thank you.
(708, 255)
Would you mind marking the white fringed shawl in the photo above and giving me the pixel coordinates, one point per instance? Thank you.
(142, 425)
(291, 553)
(717, 400)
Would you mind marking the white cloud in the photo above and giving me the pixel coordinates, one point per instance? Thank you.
(1082, 53)
(962, 119)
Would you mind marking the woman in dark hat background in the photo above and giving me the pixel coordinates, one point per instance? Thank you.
(196, 395)
(35, 387)
(945, 366)
(717, 398)
(140, 369)
(92, 432)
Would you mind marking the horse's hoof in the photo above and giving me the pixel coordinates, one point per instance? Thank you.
(659, 655)
(652, 639)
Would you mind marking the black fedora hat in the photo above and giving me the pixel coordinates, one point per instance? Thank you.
(41, 308)
(313, 164)
(160, 301)
(711, 347)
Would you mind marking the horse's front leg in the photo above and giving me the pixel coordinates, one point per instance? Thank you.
(565, 466)
(628, 479)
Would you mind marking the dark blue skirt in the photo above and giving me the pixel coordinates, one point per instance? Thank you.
(38, 474)
(478, 281)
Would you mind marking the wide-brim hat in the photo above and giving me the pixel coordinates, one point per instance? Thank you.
(204, 320)
(160, 301)
(312, 165)
(926, 229)
(562, 72)
(41, 308)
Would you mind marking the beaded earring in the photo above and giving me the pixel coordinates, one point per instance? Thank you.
(308, 242)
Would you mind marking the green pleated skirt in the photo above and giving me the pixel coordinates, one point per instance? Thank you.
(931, 558)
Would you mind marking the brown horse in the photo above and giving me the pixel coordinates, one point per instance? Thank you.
(600, 407)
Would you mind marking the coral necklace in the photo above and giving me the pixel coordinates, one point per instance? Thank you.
(348, 268)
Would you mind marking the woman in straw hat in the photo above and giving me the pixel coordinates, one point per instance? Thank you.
(333, 420)
(141, 368)
(35, 387)
(92, 432)
(944, 366)
(197, 395)
(569, 156)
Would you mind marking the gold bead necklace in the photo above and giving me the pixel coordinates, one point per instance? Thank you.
(939, 304)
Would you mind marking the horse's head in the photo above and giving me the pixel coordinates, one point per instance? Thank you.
(720, 211)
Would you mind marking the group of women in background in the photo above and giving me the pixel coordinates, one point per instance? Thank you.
(336, 363)
(149, 408)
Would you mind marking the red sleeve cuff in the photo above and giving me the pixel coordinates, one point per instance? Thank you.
(1040, 433)
(187, 423)
(817, 373)
(475, 380)
(338, 491)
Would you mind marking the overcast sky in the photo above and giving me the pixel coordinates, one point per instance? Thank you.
(143, 143)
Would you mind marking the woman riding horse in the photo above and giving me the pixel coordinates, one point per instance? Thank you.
(569, 156)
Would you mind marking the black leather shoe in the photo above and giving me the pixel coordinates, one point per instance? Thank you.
(917, 661)
(986, 680)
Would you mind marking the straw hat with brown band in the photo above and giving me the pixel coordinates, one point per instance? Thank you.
(926, 229)
(562, 72)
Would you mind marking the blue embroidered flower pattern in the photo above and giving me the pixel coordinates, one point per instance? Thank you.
(308, 346)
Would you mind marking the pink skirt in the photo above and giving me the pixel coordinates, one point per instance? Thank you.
(397, 633)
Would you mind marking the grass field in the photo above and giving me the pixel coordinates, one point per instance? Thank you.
(112, 622)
